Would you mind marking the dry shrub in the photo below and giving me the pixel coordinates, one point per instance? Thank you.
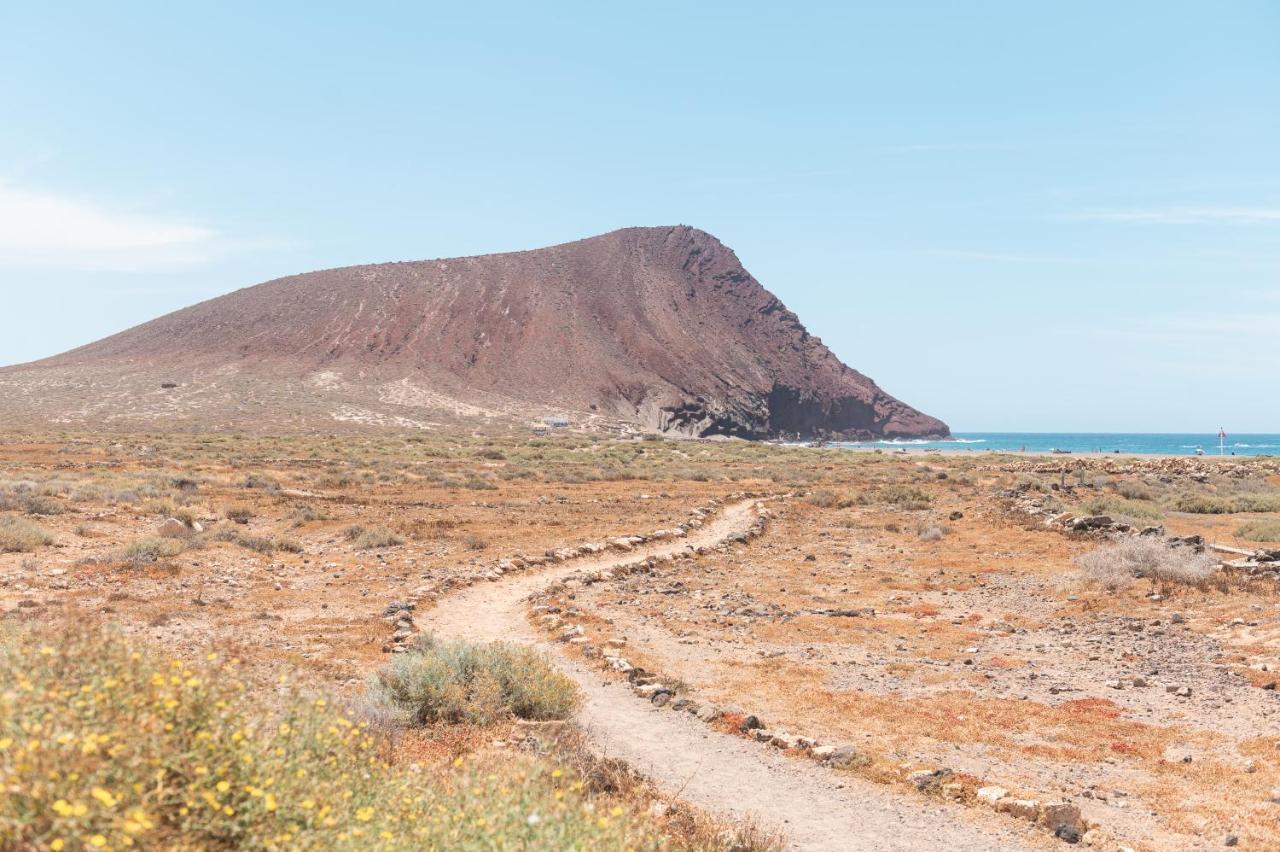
(239, 514)
(931, 533)
(1119, 563)
(1207, 504)
(824, 498)
(1260, 531)
(904, 497)
(374, 538)
(149, 550)
(1118, 507)
(18, 535)
(465, 682)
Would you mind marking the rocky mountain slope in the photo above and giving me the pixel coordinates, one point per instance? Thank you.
(657, 327)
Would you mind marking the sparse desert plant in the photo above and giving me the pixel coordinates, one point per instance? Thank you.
(257, 481)
(258, 544)
(149, 550)
(1257, 503)
(18, 535)
(288, 545)
(904, 496)
(1132, 489)
(1260, 531)
(459, 681)
(238, 514)
(1119, 563)
(1123, 508)
(1202, 504)
(825, 498)
(1209, 504)
(932, 533)
(23, 499)
(376, 537)
(305, 513)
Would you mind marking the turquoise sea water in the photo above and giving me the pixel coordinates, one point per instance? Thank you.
(1086, 443)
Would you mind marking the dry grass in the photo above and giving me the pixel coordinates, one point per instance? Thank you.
(1120, 563)
(148, 551)
(1264, 531)
(18, 535)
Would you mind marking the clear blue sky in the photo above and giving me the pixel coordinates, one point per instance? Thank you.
(1011, 217)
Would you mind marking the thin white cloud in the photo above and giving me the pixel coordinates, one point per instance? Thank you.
(1186, 216)
(44, 230)
(1005, 257)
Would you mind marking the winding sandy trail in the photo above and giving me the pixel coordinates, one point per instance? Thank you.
(815, 807)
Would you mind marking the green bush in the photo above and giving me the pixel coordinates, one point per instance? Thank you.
(18, 535)
(479, 684)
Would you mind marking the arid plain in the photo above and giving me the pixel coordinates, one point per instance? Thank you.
(953, 645)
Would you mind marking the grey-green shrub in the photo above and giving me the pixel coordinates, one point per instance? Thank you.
(376, 537)
(18, 535)
(148, 550)
(457, 681)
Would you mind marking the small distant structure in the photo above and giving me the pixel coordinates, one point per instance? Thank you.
(168, 385)
(558, 421)
(538, 428)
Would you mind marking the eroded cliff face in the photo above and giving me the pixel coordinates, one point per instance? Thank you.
(662, 327)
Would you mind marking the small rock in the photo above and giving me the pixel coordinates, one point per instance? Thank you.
(1060, 815)
(991, 795)
(707, 714)
(1028, 809)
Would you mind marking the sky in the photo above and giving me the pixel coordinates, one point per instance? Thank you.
(1013, 217)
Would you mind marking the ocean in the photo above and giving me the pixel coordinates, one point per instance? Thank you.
(1086, 443)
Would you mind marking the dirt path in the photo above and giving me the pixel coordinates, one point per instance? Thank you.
(815, 807)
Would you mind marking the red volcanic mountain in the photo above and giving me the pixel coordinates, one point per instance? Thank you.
(658, 327)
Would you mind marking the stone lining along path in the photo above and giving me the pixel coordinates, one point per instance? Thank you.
(727, 775)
